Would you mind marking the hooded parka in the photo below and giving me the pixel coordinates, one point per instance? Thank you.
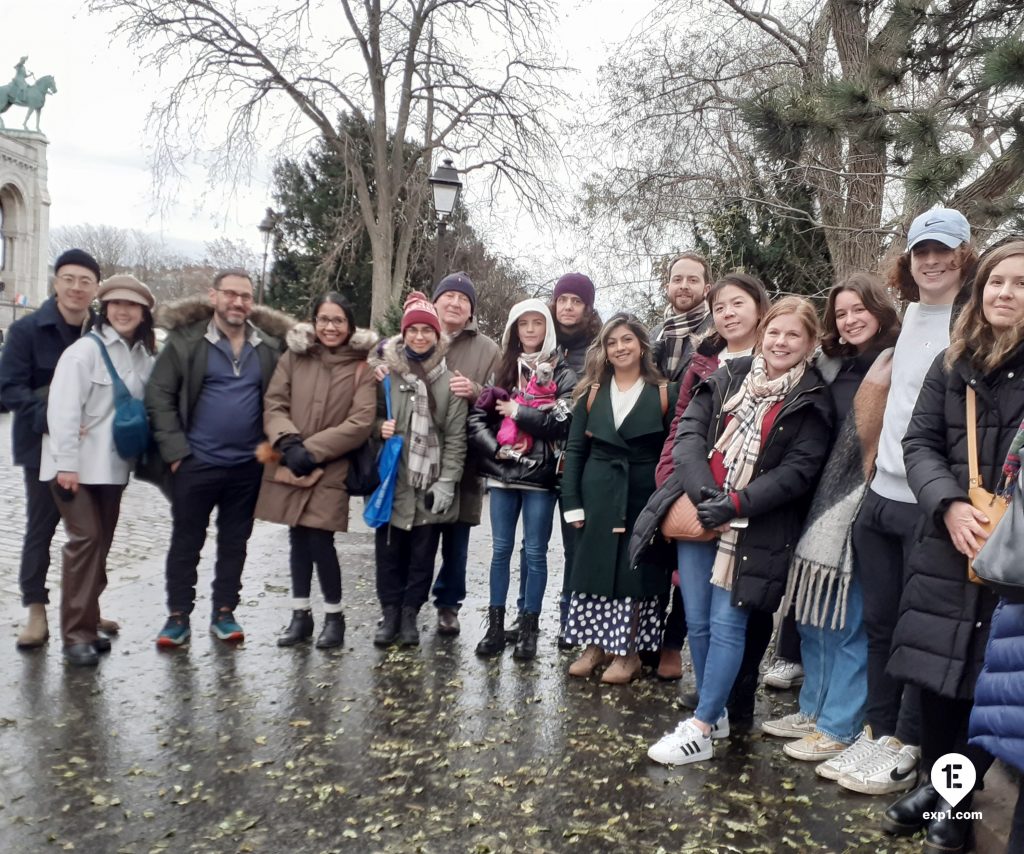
(449, 418)
(315, 395)
(940, 637)
(778, 495)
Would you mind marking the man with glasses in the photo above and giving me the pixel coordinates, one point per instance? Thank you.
(34, 344)
(205, 404)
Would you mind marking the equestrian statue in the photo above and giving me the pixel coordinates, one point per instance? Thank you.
(20, 93)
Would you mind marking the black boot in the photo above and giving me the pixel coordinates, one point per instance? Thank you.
(905, 816)
(409, 633)
(387, 631)
(526, 646)
(299, 629)
(333, 632)
(950, 835)
(493, 642)
(512, 632)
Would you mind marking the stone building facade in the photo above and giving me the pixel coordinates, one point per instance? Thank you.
(24, 221)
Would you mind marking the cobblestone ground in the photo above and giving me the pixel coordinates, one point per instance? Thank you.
(255, 748)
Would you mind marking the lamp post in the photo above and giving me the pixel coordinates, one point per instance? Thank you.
(266, 227)
(445, 186)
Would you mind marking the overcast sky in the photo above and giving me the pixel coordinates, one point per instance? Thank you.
(98, 167)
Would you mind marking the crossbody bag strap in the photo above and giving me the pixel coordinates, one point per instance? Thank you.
(972, 437)
(663, 394)
(120, 389)
(591, 395)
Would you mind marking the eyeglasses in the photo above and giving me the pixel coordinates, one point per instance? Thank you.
(235, 296)
(80, 281)
(335, 322)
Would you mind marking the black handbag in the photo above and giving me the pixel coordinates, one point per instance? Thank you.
(362, 478)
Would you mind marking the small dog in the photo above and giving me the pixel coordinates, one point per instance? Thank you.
(540, 394)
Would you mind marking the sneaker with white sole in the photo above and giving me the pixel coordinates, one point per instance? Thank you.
(685, 744)
(721, 727)
(850, 759)
(892, 768)
(796, 725)
(784, 674)
(814, 747)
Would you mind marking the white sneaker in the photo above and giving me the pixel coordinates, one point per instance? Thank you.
(847, 761)
(784, 674)
(892, 768)
(796, 725)
(685, 744)
(721, 727)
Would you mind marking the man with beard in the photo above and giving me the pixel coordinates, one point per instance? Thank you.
(687, 317)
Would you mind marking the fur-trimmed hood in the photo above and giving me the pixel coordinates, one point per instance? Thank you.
(394, 356)
(185, 312)
(301, 338)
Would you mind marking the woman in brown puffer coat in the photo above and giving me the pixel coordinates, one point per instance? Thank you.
(319, 406)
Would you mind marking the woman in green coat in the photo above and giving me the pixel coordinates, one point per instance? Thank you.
(619, 426)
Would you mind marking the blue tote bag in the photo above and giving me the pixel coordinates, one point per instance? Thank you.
(378, 506)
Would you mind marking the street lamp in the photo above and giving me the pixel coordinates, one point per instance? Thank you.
(266, 228)
(445, 185)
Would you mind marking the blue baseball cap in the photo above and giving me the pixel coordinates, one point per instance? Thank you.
(945, 225)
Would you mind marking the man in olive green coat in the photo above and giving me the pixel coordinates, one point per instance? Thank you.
(472, 360)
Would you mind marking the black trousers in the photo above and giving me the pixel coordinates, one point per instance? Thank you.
(1016, 842)
(787, 643)
(405, 564)
(41, 521)
(675, 620)
(944, 730)
(196, 489)
(884, 534)
(314, 547)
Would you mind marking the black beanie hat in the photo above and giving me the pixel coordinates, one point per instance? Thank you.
(79, 257)
(457, 282)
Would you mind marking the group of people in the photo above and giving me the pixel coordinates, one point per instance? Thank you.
(747, 460)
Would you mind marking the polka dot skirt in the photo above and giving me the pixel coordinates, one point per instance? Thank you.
(618, 626)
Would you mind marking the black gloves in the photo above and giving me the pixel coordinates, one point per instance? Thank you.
(715, 509)
(295, 457)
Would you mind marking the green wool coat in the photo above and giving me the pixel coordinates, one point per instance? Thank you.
(609, 473)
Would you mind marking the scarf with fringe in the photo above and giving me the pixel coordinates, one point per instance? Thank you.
(424, 446)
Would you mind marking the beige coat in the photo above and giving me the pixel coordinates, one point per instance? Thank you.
(313, 393)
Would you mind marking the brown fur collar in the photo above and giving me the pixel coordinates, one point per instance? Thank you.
(394, 355)
(185, 312)
(301, 338)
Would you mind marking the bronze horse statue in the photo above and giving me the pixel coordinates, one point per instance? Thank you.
(34, 98)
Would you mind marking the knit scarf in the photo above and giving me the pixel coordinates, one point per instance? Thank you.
(740, 445)
(675, 330)
(424, 447)
(1011, 468)
(823, 561)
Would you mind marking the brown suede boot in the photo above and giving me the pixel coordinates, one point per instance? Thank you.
(36, 631)
(670, 666)
(592, 658)
(622, 670)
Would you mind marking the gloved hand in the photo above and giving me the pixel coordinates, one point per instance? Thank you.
(716, 508)
(440, 496)
(288, 441)
(299, 461)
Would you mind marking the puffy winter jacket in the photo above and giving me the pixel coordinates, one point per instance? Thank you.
(997, 719)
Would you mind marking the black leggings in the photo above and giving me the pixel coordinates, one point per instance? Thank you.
(1017, 828)
(314, 546)
(944, 730)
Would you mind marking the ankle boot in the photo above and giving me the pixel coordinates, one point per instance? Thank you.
(409, 633)
(299, 629)
(623, 670)
(387, 632)
(36, 631)
(512, 632)
(670, 665)
(493, 643)
(333, 632)
(904, 817)
(950, 835)
(526, 646)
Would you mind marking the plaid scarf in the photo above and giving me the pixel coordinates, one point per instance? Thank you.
(1011, 468)
(424, 447)
(675, 330)
(740, 445)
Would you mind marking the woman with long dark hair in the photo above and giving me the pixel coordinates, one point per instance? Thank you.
(749, 448)
(943, 627)
(861, 326)
(517, 428)
(319, 406)
(79, 457)
(619, 425)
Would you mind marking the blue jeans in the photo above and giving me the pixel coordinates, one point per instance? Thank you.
(450, 586)
(538, 514)
(717, 630)
(835, 688)
(569, 535)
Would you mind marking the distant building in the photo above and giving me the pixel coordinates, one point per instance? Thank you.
(24, 219)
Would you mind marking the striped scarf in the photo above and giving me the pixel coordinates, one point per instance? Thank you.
(740, 445)
(424, 447)
(675, 330)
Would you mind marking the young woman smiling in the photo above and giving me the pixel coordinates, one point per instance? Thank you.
(749, 448)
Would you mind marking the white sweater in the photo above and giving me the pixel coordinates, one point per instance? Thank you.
(80, 409)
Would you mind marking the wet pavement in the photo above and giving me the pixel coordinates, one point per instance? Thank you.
(256, 748)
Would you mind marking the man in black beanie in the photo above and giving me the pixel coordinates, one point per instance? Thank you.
(33, 346)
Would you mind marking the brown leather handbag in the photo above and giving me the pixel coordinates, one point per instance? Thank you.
(993, 506)
(681, 523)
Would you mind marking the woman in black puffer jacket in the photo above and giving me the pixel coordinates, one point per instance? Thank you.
(939, 642)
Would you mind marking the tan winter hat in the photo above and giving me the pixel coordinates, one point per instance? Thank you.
(126, 287)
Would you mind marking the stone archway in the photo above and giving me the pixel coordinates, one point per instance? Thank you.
(12, 225)
(25, 218)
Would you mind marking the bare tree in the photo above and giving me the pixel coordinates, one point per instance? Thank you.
(410, 70)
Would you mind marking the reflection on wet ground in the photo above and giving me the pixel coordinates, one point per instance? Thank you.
(256, 748)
